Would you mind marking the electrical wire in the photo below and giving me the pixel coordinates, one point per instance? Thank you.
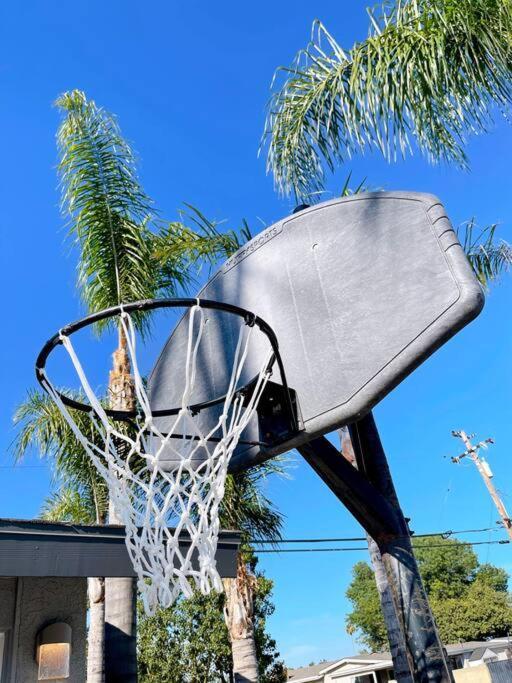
(23, 467)
(444, 534)
(363, 547)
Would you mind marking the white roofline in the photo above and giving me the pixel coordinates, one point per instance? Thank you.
(375, 665)
(378, 663)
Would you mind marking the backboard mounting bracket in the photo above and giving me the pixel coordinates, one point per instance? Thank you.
(278, 412)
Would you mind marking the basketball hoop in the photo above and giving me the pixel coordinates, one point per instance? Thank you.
(175, 478)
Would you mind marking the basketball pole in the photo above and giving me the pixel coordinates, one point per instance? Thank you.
(393, 626)
(386, 524)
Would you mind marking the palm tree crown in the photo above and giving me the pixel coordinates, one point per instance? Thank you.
(107, 208)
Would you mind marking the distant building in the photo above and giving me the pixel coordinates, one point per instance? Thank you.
(43, 593)
(378, 667)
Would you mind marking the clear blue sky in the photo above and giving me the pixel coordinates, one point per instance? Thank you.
(189, 82)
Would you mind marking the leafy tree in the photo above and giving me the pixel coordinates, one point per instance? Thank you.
(481, 612)
(366, 615)
(447, 567)
(190, 643)
(493, 577)
(469, 600)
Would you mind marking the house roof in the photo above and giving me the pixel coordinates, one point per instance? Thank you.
(40, 548)
(480, 651)
(477, 654)
(316, 671)
(313, 673)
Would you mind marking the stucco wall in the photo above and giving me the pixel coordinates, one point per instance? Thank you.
(473, 674)
(40, 601)
(7, 602)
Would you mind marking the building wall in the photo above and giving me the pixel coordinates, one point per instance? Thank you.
(7, 610)
(474, 674)
(7, 603)
(40, 601)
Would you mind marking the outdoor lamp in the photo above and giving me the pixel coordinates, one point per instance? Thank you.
(53, 651)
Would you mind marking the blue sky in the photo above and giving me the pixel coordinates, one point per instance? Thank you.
(189, 82)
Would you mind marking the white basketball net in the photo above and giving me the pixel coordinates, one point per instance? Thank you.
(147, 494)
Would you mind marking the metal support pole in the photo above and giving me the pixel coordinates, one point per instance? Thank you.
(382, 518)
(425, 653)
(393, 626)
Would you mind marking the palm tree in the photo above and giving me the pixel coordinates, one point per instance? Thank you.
(126, 254)
(430, 72)
(244, 507)
(108, 219)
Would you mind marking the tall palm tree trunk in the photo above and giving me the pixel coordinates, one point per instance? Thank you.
(120, 593)
(96, 632)
(239, 613)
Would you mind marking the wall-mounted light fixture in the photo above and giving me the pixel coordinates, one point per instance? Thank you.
(53, 652)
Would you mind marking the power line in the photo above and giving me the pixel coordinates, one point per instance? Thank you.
(444, 534)
(364, 547)
(24, 467)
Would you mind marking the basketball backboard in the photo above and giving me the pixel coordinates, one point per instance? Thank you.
(359, 291)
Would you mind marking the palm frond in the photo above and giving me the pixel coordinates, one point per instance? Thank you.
(191, 242)
(107, 208)
(68, 504)
(247, 508)
(42, 426)
(488, 257)
(347, 191)
(430, 72)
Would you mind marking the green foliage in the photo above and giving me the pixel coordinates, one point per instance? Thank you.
(366, 616)
(246, 508)
(126, 252)
(447, 567)
(189, 642)
(430, 71)
(492, 577)
(70, 504)
(480, 613)
(488, 257)
(469, 601)
(178, 245)
(42, 426)
(107, 207)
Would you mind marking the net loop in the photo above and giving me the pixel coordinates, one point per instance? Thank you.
(167, 487)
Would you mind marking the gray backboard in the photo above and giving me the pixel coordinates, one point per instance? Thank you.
(359, 292)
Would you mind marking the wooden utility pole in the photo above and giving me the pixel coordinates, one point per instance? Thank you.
(484, 470)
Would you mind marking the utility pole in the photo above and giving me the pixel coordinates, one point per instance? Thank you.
(485, 472)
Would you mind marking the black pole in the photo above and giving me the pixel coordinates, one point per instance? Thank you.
(395, 635)
(369, 494)
(425, 652)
